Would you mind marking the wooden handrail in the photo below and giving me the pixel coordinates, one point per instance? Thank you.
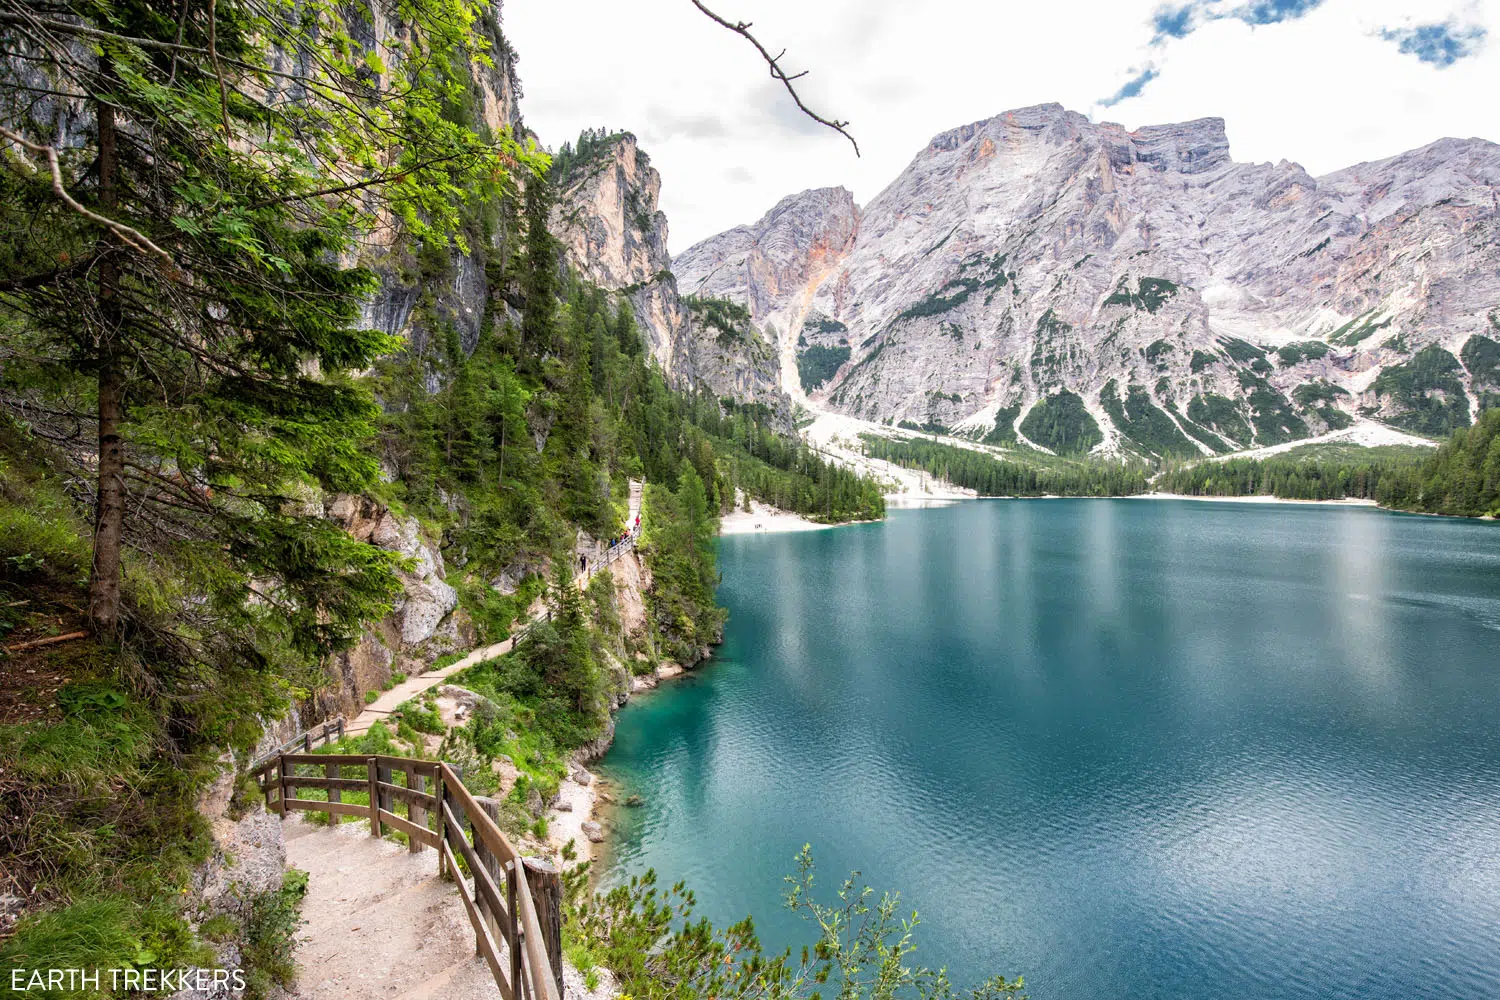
(328, 732)
(434, 818)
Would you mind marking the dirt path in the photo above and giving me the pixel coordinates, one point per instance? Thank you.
(378, 922)
(388, 701)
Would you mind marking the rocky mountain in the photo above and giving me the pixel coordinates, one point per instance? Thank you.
(1041, 277)
(614, 234)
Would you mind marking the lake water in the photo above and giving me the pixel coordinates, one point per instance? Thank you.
(1129, 748)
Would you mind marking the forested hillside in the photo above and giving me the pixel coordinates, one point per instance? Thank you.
(201, 242)
(989, 475)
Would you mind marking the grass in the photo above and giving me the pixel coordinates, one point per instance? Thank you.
(581, 956)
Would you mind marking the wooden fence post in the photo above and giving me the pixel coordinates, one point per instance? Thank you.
(489, 861)
(547, 896)
(383, 774)
(517, 932)
(441, 791)
(334, 795)
(417, 814)
(374, 798)
(283, 771)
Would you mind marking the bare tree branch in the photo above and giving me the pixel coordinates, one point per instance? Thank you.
(742, 28)
(131, 237)
(213, 54)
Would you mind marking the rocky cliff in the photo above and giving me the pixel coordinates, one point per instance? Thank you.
(416, 297)
(614, 234)
(1043, 277)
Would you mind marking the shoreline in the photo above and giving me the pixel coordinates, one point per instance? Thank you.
(1255, 498)
(587, 793)
(763, 519)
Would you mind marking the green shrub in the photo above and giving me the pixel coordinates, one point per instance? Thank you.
(270, 935)
(422, 717)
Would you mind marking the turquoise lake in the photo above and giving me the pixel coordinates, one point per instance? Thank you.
(1129, 748)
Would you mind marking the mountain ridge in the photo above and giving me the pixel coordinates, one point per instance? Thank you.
(1035, 252)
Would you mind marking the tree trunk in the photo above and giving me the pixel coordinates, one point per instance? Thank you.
(109, 511)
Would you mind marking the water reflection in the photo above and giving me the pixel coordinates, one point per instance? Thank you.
(1213, 749)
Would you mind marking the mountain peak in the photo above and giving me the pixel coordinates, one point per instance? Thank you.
(1187, 147)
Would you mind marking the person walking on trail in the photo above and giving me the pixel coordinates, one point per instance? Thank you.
(583, 564)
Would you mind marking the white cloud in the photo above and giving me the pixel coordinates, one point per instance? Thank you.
(1327, 89)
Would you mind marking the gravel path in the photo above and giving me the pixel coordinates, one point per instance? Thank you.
(379, 923)
(388, 701)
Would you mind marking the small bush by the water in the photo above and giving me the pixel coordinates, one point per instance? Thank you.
(647, 936)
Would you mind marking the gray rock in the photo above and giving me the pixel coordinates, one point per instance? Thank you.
(613, 233)
(1037, 251)
(593, 831)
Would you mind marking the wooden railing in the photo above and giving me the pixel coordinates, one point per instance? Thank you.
(328, 732)
(439, 812)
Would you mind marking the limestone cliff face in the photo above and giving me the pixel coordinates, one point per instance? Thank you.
(424, 623)
(775, 265)
(461, 289)
(1179, 294)
(614, 234)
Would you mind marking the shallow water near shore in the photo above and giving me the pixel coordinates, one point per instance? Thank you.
(1172, 750)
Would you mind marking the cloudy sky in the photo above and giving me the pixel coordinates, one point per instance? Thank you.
(1326, 83)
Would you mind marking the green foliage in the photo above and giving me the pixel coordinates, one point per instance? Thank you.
(39, 527)
(1358, 329)
(1481, 356)
(1062, 423)
(817, 364)
(975, 274)
(102, 827)
(1308, 473)
(996, 477)
(1307, 350)
(1241, 350)
(92, 934)
(1271, 413)
(1462, 478)
(1150, 294)
(1221, 414)
(679, 541)
(817, 323)
(1320, 398)
(270, 933)
(1004, 431)
(1427, 393)
(575, 159)
(1201, 361)
(494, 613)
(648, 937)
(422, 717)
(1143, 422)
(233, 392)
(730, 319)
